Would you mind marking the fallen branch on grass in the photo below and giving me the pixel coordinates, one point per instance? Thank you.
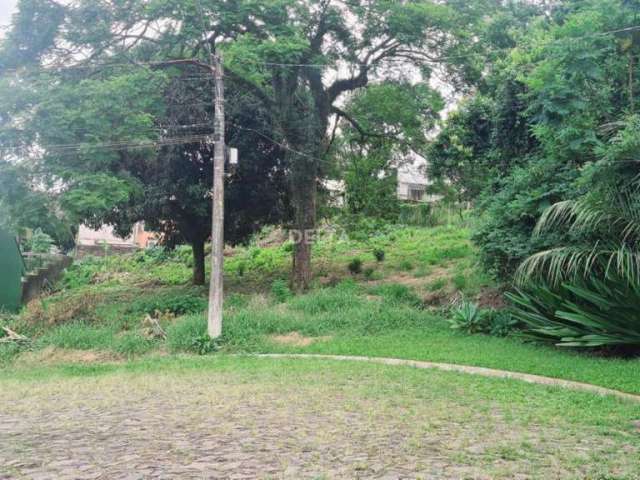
(12, 336)
(154, 329)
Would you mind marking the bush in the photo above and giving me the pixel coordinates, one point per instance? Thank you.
(369, 273)
(500, 323)
(280, 291)
(468, 318)
(39, 242)
(355, 266)
(510, 215)
(589, 314)
(379, 254)
(204, 344)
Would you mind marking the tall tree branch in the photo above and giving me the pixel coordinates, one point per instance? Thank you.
(363, 133)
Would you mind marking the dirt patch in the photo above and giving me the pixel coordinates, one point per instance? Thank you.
(411, 280)
(438, 299)
(53, 355)
(294, 339)
(491, 298)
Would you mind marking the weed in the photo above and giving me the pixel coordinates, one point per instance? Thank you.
(242, 267)
(182, 334)
(280, 291)
(132, 343)
(369, 273)
(395, 293)
(79, 336)
(204, 345)
(422, 272)
(236, 300)
(437, 284)
(355, 266)
(379, 254)
(459, 281)
(176, 303)
(405, 265)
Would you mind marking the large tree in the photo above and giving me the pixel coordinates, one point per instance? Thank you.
(299, 58)
(118, 146)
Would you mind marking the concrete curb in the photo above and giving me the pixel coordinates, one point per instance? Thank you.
(482, 371)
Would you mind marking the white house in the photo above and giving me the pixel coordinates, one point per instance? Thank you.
(413, 181)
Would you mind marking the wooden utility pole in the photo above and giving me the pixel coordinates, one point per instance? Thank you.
(217, 218)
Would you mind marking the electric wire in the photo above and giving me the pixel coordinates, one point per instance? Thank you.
(167, 63)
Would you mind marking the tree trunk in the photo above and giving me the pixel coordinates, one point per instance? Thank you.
(198, 262)
(304, 192)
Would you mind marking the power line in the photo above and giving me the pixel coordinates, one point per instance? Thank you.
(124, 145)
(134, 64)
(275, 142)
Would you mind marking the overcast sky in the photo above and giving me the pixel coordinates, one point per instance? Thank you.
(7, 8)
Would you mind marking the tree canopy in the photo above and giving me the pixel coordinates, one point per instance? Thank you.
(297, 58)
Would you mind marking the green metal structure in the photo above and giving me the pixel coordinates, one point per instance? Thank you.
(11, 271)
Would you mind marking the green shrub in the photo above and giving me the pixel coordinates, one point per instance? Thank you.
(82, 273)
(39, 242)
(509, 217)
(500, 323)
(280, 291)
(588, 314)
(468, 318)
(204, 344)
(379, 254)
(369, 273)
(355, 266)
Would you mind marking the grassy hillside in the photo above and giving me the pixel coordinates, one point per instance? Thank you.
(115, 308)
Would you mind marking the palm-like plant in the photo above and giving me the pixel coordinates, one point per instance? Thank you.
(606, 226)
(586, 294)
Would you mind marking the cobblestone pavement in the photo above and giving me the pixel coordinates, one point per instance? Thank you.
(230, 425)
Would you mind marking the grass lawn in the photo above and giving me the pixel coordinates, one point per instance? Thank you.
(394, 308)
(267, 418)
